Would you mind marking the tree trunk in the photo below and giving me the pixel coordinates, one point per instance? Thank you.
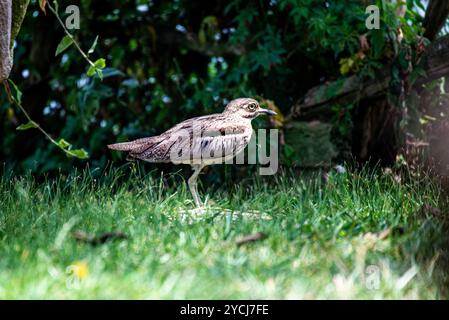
(377, 135)
(5, 39)
(12, 13)
(436, 16)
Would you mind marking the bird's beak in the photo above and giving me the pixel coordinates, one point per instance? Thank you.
(267, 112)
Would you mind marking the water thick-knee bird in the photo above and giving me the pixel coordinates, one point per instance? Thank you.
(200, 141)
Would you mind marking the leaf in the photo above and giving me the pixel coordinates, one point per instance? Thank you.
(210, 21)
(100, 74)
(91, 71)
(18, 96)
(78, 153)
(112, 72)
(63, 144)
(26, 126)
(289, 151)
(378, 42)
(92, 48)
(345, 65)
(130, 83)
(64, 44)
(202, 37)
(97, 68)
(100, 63)
(42, 4)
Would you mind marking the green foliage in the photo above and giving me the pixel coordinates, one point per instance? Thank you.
(62, 144)
(137, 82)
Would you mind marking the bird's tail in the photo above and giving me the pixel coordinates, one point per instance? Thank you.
(123, 146)
(131, 145)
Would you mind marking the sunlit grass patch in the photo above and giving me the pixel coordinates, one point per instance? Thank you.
(361, 234)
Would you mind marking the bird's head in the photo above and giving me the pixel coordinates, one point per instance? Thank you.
(246, 108)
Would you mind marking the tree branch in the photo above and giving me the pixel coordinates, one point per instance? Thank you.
(5, 39)
(354, 88)
(11, 17)
(436, 16)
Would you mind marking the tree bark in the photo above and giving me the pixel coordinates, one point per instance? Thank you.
(436, 16)
(12, 13)
(5, 39)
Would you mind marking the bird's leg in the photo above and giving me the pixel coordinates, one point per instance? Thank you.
(193, 184)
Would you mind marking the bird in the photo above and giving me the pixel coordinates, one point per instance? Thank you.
(200, 141)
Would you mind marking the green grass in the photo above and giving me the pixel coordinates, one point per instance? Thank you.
(321, 238)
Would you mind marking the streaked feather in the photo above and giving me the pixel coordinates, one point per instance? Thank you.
(201, 139)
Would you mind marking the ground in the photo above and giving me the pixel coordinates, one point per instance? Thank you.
(361, 234)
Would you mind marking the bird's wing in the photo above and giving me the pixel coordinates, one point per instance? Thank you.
(203, 138)
(216, 139)
(193, 123)
(158, 148)
(140, 145)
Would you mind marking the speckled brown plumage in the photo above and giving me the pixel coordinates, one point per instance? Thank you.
(199, 141)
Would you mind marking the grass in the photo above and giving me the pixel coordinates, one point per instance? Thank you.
(323, 240)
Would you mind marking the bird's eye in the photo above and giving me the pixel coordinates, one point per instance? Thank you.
(252, 107)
